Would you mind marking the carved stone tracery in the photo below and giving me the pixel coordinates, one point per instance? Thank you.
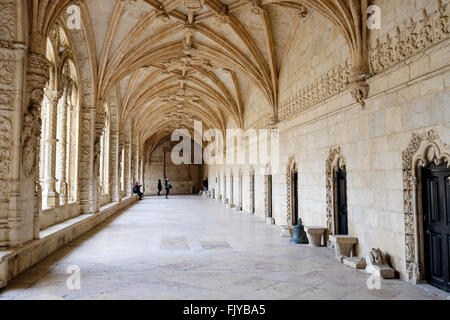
(334, 163)
(291, 168)
(410, 38)
(421, 150)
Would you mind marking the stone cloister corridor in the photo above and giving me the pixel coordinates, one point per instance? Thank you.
(305, 145)
(191, 248)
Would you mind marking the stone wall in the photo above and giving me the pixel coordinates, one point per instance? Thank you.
(408, 94)
(184, 178)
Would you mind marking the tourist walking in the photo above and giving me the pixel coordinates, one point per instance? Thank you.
(167, 186)
(159, 187)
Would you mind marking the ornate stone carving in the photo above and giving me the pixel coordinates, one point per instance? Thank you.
(290, 169)
(37, 77)
(31, 132)
(334, 162)
(410, 38)
(7, 21)
(377, 264)
(256, 6)
(5, 154)
(359, 88)
(332, 83)
(161, 15)
(421, 150)
(222, 16)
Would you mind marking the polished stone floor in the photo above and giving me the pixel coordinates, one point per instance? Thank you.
(190, 248)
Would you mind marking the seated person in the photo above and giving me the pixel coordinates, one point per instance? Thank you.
(137, 190)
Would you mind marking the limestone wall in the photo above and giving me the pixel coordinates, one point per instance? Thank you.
(183, 177)
(408, 94)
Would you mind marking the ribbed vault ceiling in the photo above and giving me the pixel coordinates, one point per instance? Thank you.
(178, 60)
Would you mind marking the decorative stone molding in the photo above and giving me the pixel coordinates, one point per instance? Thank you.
(7, 22)
(5, 153)
(422, 150)
(410, 38)
(290, 169)
(37, 78)
(161, 15)
(330, 84)
(31, 129)
(256, 6)
(334, 162)
(222, 16)
(359, 88)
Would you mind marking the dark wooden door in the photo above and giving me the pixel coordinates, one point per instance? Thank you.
(269, 195)
(295, 194)
(436, 215)
(342, 218)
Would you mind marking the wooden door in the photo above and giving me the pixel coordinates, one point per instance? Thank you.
(436, 216)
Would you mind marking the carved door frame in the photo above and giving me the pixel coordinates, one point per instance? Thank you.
(421, 151)
(334, 163)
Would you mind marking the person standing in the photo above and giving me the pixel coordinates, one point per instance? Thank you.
(205, 184)
(167, 186)
(159, 187)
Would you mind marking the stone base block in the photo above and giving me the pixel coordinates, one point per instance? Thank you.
(355, 263)
(315, 235)
(286, 231)
(270, 220)
(384, 272)
(343, 245)
(3, 270)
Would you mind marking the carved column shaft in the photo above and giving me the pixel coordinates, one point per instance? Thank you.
(52, 197)
(127, 166)
(61, 135)
(114, 169)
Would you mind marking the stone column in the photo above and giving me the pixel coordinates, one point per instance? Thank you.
(239, 206)
(114, 167)
(121, 167)
(61, 136)
(51, 196)
(127, 166)
(86, 172)
(99, 130)
(17, 150)
(72, 146)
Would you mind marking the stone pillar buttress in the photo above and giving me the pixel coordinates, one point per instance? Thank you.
(127, 165)
(12, 64)
(51, 195)
(114, 167)
(61, 136)
(86, 172)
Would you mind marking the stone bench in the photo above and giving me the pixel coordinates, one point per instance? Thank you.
(315, 235)
(343, 245)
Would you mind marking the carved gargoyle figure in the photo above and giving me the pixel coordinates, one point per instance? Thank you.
(377, 264)
(376, 257)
